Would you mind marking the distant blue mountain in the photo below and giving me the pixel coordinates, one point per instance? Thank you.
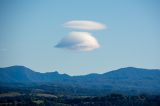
(128, 79)
(21, 74)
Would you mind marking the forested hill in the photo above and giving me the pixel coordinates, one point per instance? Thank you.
(128, 79)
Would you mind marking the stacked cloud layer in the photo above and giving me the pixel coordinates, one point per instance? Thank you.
(81, 41)
(84, 25)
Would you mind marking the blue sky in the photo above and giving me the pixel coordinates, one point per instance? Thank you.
(30, 29)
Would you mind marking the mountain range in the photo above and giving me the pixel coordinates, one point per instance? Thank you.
(124, 80)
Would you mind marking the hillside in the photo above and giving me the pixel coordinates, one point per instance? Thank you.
(128, 80)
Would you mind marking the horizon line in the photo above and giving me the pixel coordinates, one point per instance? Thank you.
(57, 71)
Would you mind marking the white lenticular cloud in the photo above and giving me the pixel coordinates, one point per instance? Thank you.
(79, 41)
(84, 25)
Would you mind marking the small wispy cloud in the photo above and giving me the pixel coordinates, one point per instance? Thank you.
(79, 41)
(84, 25)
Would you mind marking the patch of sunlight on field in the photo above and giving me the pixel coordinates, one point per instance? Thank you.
(39, 101)
(10, 94)
(46, 95)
